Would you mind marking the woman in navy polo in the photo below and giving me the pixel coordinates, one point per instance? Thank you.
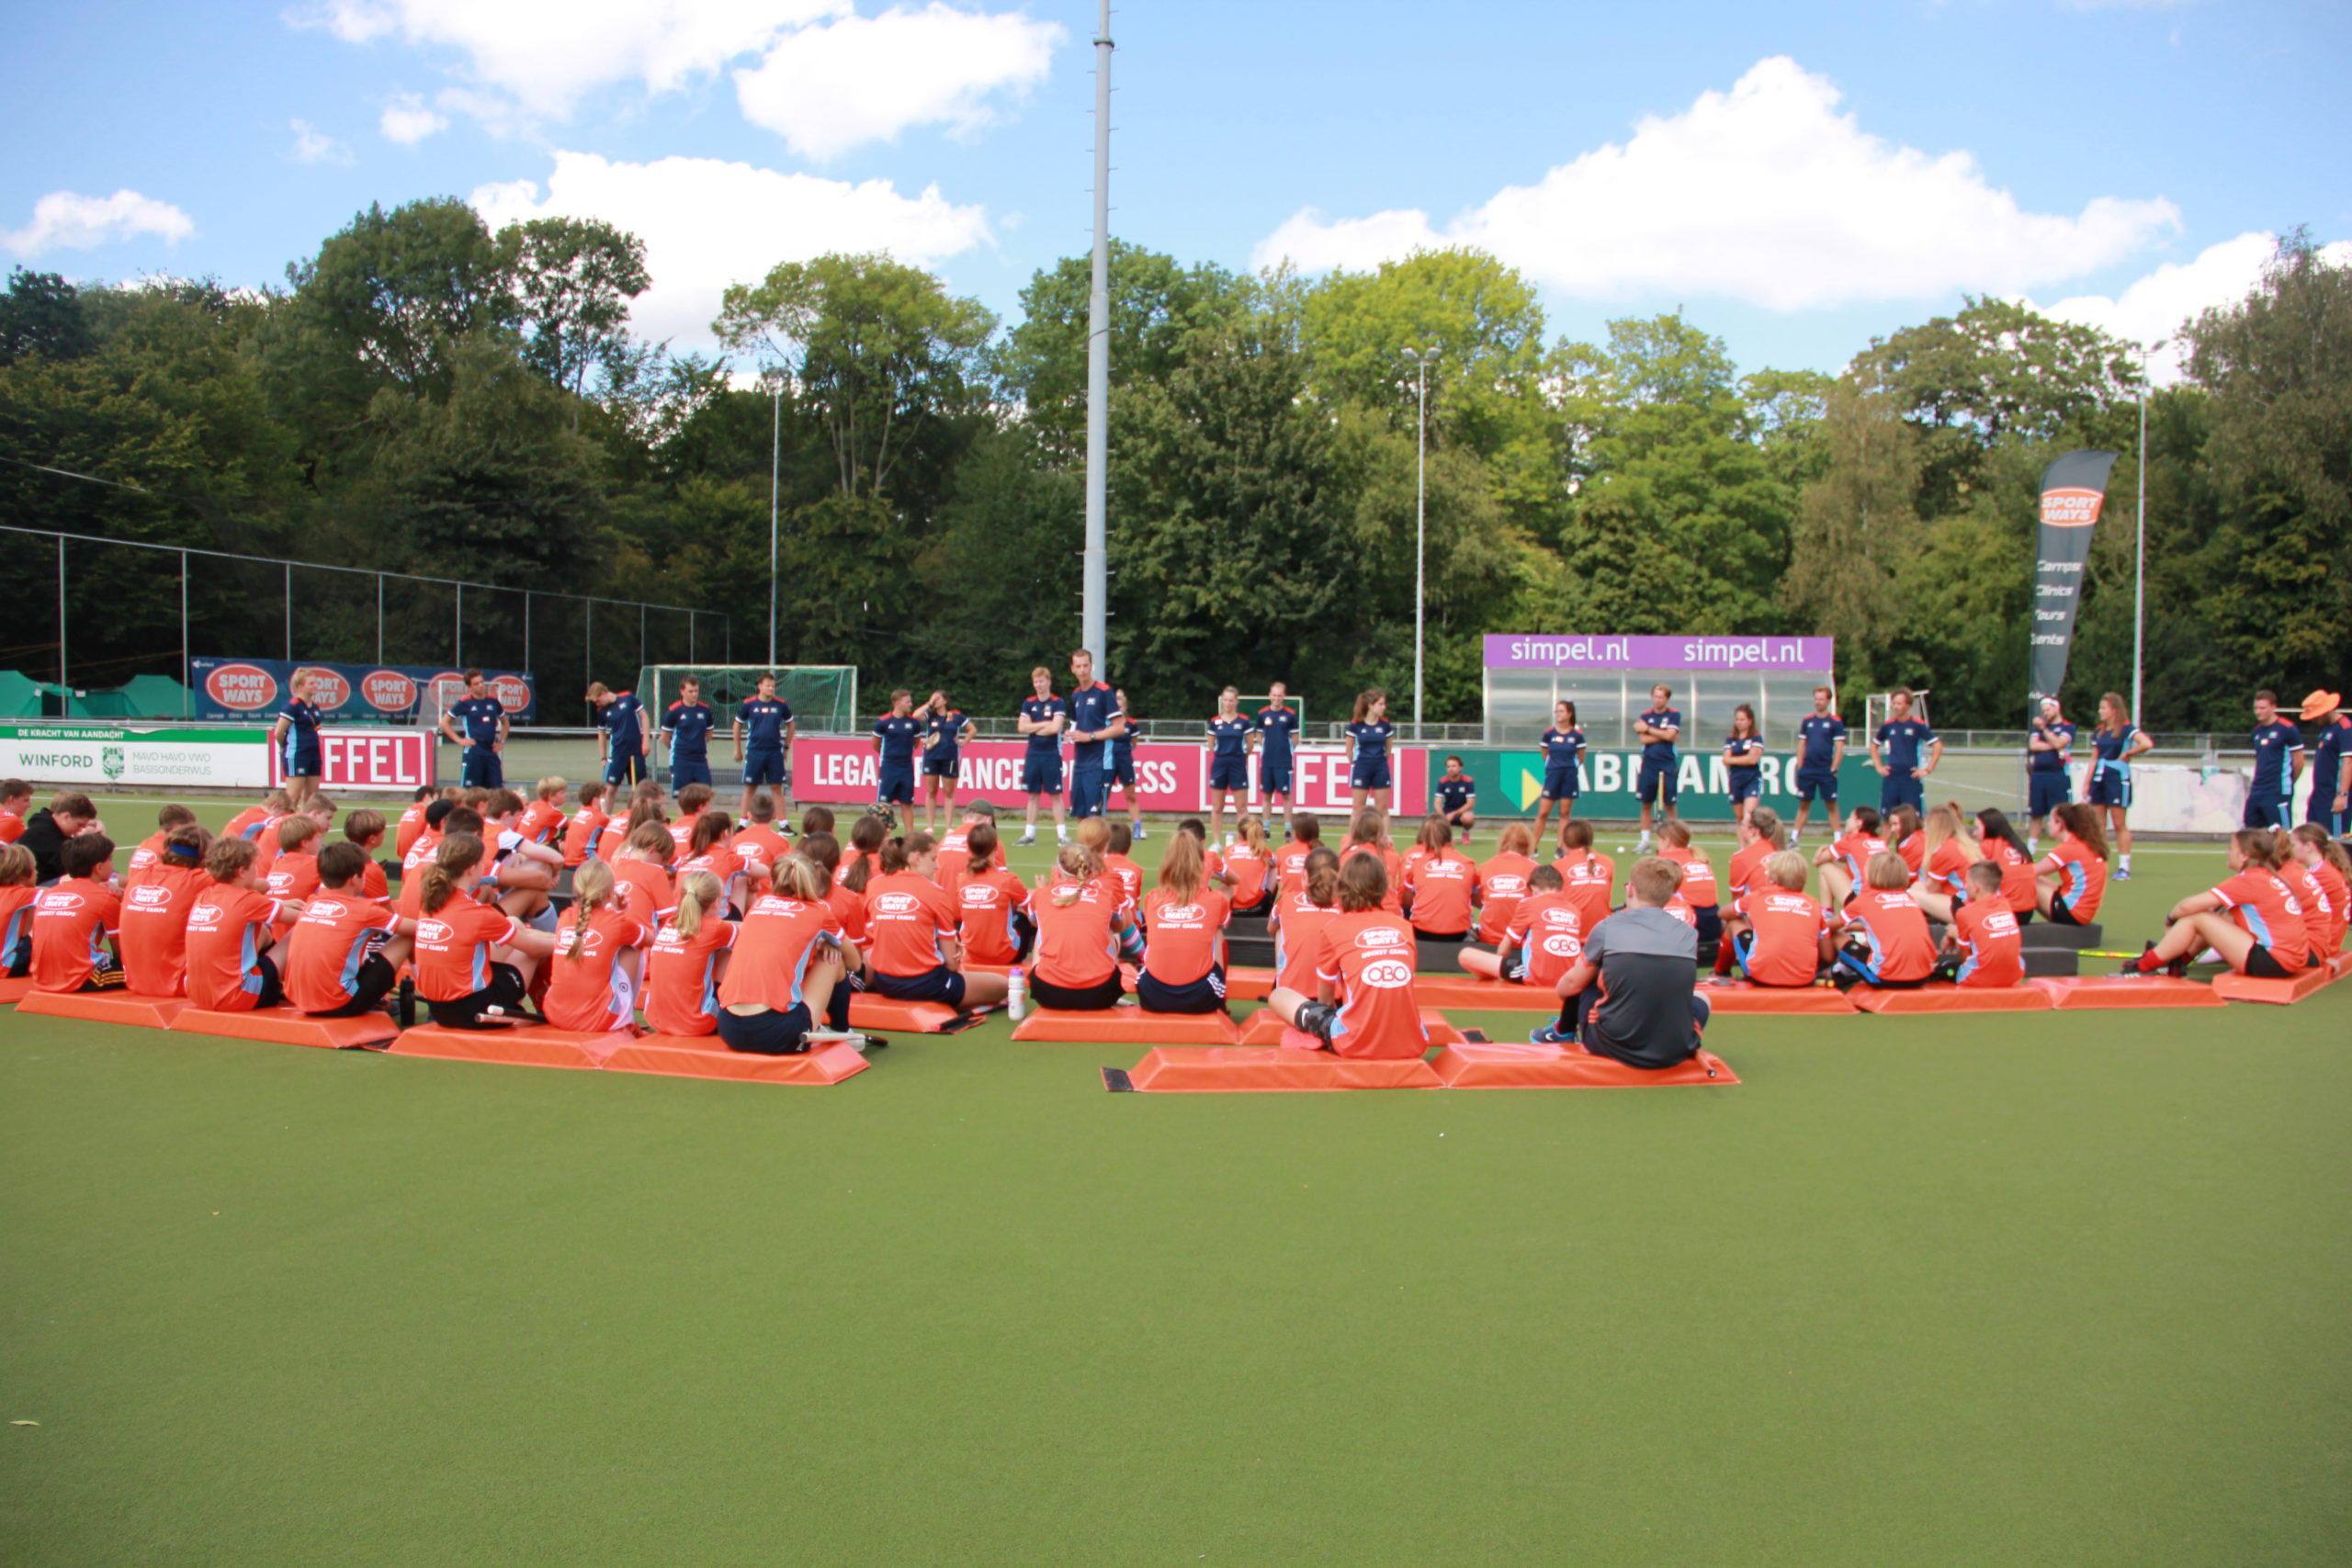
(1368, 734)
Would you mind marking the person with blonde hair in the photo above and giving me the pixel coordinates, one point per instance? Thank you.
(1503, 879)
(1080, 931)
(2253, 919)
(1776, 934)
(1184, 921)
(1248, 869)
(788, 966)
(1946, 851)
(2114, 743)
(2323, 861)
(1887, 941)
(689, 958)
(599, 959)
(1043, 716)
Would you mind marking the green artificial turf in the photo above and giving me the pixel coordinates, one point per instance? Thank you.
(2066, 1289)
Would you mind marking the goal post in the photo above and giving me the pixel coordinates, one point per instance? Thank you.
(823, 697)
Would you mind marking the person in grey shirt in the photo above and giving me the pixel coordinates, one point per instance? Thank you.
(1631, 995)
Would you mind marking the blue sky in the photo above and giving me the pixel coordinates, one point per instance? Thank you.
(1796, 177)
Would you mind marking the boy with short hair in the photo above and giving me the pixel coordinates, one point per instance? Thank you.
(412, 821)
(685, 730)
(579, 834)
(1043, 718)
(249, 822)
(78, 922)
(366, 829)
(15, 799)
(543, 817)
(1457, 799)
(478, 723)
(1821, 749)
(69, 815)
(1982, 945)
(155, 914)
(622, 743)
(1658, 730)
(1631, 995)
(167, 819)
(761, 843)
(1541, 940)
(1894, 754)
(693, 801)
(230, 928)
(343, 952)
(762, 729)
(294, 873)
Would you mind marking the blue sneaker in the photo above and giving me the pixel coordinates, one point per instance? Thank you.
(1552, 1034)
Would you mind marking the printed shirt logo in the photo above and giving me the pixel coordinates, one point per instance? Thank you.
(1387, 974)
(897, 904)
(433, 931)
(1380, 936)
(1182, 913)
(149, 895)
(204, 915)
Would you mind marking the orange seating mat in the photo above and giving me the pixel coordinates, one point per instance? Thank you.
(16, 988)
(1265, 1027)
(2342, 964)
(704, 1057)
(2117, 991)
(1129, 1025)
(1500, 1064)
(2246, 989)
(1255, 1069)
(1942, 996)
(522, 1045)
(1745, 996)
(285, 1026)
(1469, 993)
(1244, 984)
(105, 1007)
(889, 1015)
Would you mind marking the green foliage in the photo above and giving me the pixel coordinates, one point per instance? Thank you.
(41, 313)
(572, 279)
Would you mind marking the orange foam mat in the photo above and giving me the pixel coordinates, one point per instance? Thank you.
(2246, 989)
(104, 1006)
(284, 1026)
(1944, 997)
(2117, 991)
(15, 989)
(1264, 1027)
(888, 1015)
(1128, 1025)
(679, 1058)
(521, 1045)
(1745, 996)
(1471, 994)
(2341, 963)
(1264, 1069)
(1498, 1065)
(1243, 984)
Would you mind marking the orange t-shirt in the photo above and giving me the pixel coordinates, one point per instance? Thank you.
(1746, 872)
(581, 832)
(773, 952)
(1913, 851)
(71, 922)
(2081, 877)
(150, 851)
(1289, 867)
(292, 876)
(1505, 879)
(985, 906)
(588, 990)
(419, 853)
(1988, 935)
(1854, 851)
(1298, 923)
(681, 996)
(404, 833)
(1895, 931)
(1076, 940)
(1588, 877)
(1129, 876)
(849, 909)
(240, 825)
(611, 837)
(225, 926)
(2266, 910)
(950, 861)
(760, 847)
(2017, 875)
(542, 820)
(682, 831)
(724, 863)
(1371, 956)
(15, 924)
(1549, 928)
(905, 917)
(1393, 902)
(1785, 949)
(374, 884)
(1445, 887)
(453, 947)
(646, 889)
(2327, 934)
(1698, 888)
(1251, 872)
(154, 930)
(12, 827)
(1947, 869)
(320, 963)
(1184, 938)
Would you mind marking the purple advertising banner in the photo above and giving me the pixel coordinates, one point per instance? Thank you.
(1571, 651)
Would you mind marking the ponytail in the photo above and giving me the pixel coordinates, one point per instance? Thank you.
(438, 882)
(592, 890)
(699, 893)
(1322, 877)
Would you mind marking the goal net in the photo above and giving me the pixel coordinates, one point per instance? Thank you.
(822, 696)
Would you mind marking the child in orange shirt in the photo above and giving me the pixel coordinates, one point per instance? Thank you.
(1888, 943)
(1443, 885)
(542, 820)
(18, 891)
(1983, 946)
(1363, 1005)
(365, 829)
(230, 928)
(711, 849)
(599, 959)
(1299, 916)
(581, 831)
(152, 847)
(473, 960)
(155, 914)
(77, 920)
(345, 951)
(688, 959)
(1184, 921)
(1249, 869)
(294, 874)
(2070, 882)
(992, 904)
(15, 800)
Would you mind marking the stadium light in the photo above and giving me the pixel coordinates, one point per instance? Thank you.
(1421, 359)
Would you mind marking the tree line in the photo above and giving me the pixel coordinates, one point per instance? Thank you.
(426, 396)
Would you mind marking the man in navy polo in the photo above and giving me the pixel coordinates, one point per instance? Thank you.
(1095, 719)
(1821, 737)
(687, 727)
(1894, 752)
(766, 719)
(1043, 718)
(897, 734)
(621, 737)
(1658, 730)
(483, 735)
(1277, 724)
(2278, 762)
(2331, 802)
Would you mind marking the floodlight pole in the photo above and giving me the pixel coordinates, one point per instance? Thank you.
(1421, 359)
(776, 471)
(2140, 551)
(1093, 609)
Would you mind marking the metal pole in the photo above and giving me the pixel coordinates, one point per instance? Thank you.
(380, 617)
(776, 471)
(1094, 608)
(527, 630)
(187, 694)
(640, 637)
(2140, 556)
(64, 703)
(691, 654)
(1421, 527)
(588, 643)
(289, 612)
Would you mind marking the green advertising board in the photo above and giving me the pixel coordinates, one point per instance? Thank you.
(1510, 783)
(112, 756)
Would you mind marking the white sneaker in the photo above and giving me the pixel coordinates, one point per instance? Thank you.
(1062, 835)
(1644, 844)
(1139, 835)
(1024, 838)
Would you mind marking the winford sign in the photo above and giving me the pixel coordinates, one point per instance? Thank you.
(121, 756)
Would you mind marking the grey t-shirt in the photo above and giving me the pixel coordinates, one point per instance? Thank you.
(1649, 964)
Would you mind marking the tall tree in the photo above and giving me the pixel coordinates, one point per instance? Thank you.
(1856, 524)
(572, 279)
(396, 291)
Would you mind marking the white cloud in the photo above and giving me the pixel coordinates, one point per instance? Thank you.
(1765, 194)
(826, 89)
(707, 224)
(2152, 308)
(69, 221)
(313, 145)
(406, 120)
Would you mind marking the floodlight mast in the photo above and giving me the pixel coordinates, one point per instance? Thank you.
(1093, 609)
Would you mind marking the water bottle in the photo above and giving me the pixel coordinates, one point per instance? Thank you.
(1016, 994)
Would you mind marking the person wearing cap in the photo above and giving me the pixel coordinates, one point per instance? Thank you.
(2330, 803)
(2278, 763)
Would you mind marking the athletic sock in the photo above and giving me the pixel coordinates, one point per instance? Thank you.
(2149, 962)
(2126, 862)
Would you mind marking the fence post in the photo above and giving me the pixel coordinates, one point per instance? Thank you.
(526, 631)
(380, 617)
(64, 702)
(187, 694)
(289, 612)
(460, 661)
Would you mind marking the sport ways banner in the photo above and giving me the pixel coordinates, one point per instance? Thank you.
(2073, 489)
(350, 694)
(839, 770)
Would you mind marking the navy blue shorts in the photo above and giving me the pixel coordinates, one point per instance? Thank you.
(1274, 778)
(763, 768)
(1123, 773)
(940, 984)
(1902, 789)
(1041, 775)
(685, 770)
(479, 769)
(942, 767)
(1086, 792)
(1229, 773)
(1657, 781)
(1371, 774)
(2045, 793)
(304, 765)
(766, 1033)
(2263, 811)
(1560, 783)
(1818, 783)
(2109, 788)
(1745, 784)
(895, 785)
(625, 770)
(1204, 995)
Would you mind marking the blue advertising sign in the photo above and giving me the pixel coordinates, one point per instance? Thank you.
(346, 694)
